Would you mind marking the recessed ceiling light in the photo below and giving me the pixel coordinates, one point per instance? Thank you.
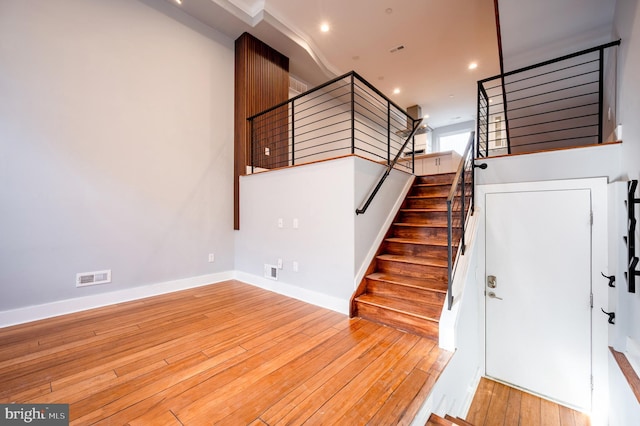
(179, 1)
(396, 91)
(324, 28)
(426, 116)
(473, 65)
(389, 10)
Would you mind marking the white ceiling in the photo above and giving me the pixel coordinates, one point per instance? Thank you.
(440, 39)
(535, 31)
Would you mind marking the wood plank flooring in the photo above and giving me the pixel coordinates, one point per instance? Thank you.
(228, 353)
(498, 404)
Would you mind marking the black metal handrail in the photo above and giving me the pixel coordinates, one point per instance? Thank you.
(391, 165)
(461, 202)
(551, 104)
(344, 116)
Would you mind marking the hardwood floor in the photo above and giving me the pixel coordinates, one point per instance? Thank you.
(498, 404)
(228, 353)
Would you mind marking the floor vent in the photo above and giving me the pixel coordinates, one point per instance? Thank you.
(84, 279)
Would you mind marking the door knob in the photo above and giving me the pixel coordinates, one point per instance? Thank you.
(491, 281)
(492, 295)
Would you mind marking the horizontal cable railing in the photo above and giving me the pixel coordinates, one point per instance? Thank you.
(460, 204)
(554, 104)
(344, 116)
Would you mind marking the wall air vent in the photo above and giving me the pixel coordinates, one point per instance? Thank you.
(396, 49)
(271, 272)
(85, 279)
(297, 86)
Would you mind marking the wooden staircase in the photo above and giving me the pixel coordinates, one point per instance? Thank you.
(435, 420)
(406, 283)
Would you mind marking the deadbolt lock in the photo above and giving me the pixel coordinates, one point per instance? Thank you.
(491, 281)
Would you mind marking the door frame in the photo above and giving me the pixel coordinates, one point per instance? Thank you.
(599, 262)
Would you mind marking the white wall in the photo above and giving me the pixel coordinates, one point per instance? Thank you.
(331, 243)
(586, 162)
(627, 27)
(438, 132)
(625, 409)
(116, 141)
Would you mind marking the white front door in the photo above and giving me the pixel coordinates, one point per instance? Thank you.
(538, 309)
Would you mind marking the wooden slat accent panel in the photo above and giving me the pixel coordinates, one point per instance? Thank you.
(228, 353)
(261, 81)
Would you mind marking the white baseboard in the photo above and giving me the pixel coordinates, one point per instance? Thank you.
(53, 309)
(471, 392)
(323, 300)
(62, 307)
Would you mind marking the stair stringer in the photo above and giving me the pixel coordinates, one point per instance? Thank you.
(463, 267)
(453, 392)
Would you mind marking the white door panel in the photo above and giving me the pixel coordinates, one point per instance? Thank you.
(538, 334)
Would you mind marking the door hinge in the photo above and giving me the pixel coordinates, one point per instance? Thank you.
(591, 300)
(591, 217)
(592, 383)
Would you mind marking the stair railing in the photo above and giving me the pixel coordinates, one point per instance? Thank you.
(460, 205)
(558, 103)
(391, 165)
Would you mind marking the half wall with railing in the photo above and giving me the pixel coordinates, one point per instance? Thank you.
(344, 116)
(558, 103)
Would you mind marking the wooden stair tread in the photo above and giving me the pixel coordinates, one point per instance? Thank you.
(421, 225)
(431, 210)
(433, 285)
(457, 421)
(415, 308)
(428, 185)
(427, 196)
(433, 241)
(413, 260)
(435, 420)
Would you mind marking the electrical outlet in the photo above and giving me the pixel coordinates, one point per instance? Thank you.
(267, 151)
(212, 257)
(295, 266)
(295, 223)
(279, 263)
